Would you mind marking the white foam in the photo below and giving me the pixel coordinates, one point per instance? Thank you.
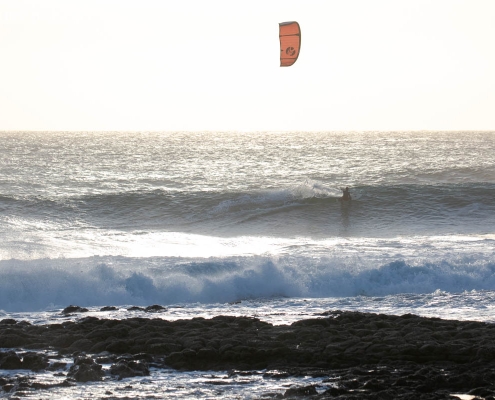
(278, 197)
(310, 269)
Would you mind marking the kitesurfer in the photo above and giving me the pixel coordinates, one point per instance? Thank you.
(346, 195)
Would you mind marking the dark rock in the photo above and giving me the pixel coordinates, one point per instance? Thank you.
(109, 308)
(334, 392)
(481, 391)
(8, 321)
(10, 360)
(8, 387)
(102, 333)
(74, 309)
(91, 321)
(85, 369)
(25, 385)
(207, 353)
(155, 308)
(142, 357)
(105, 358)
(135, 308)
(81, 345)
(83, 360)
(119, 346)
(63, 339)
(363, 355)
(34, 361)
(128, 368)
(56, 366)
(163, 348)
(10, 341)
(301, 391)
(375, 385)
(98, 348)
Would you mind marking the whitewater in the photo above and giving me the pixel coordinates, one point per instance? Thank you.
(246, 223)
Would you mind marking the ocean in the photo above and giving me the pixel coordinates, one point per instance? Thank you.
(244, 223)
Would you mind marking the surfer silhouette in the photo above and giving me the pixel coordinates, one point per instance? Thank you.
(346, 195)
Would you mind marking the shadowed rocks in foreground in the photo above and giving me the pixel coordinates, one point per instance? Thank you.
(370, 352)
(338, 339)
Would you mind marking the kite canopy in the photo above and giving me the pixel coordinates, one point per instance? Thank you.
(290, 42)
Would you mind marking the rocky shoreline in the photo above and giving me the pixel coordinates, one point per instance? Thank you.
(360, 355)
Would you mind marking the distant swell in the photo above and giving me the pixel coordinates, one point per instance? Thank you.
(309, 208)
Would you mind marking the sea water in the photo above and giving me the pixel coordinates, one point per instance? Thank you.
(238, 223)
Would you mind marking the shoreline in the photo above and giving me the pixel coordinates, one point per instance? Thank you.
(362, 355)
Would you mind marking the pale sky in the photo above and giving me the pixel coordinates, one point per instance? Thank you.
(214, 65)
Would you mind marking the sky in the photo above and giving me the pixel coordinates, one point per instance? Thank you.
(208, 65)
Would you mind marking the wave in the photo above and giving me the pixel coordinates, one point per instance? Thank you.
(215, 202)
(310, 208)
(47, 284)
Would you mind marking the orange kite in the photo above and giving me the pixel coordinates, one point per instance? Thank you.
(290, 42)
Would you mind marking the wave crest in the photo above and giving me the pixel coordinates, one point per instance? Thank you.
(44, 284)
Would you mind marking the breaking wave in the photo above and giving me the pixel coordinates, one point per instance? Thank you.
(43, 284)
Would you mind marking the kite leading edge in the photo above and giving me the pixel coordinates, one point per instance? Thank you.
(290, 42)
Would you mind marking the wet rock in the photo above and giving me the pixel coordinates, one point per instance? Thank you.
(143, 357)
(103, 333)
(379, 356)
(8, 321)
(119, 346)
(23, 386)
(135, 308)
(334, 392)
(10, 360)
(105, 357)
(12, 340)
(129, 368)
(301, 391)
(481, 392)
(375, 385)
(155, 308)
(34, 361)
(109, 308)
(56, 366)
(74, 309)
(63, 339)
(81, 345)
(85, 369)
(163, 348)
